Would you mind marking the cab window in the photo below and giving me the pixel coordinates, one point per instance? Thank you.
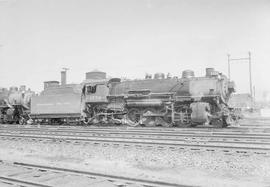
(91, 89)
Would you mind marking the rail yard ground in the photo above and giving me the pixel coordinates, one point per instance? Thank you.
(193, 165)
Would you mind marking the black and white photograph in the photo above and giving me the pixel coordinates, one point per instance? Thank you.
(134, 93)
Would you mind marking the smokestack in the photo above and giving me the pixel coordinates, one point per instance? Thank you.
(63, 77)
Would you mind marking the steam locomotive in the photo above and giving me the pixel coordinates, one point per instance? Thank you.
(158, 101)
(15, 104)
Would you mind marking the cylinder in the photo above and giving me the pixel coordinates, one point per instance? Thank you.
(63, 77)
(209, 72)
(187, 74)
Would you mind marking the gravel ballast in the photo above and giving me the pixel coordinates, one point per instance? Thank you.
(199, 168)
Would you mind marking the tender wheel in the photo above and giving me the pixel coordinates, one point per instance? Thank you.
(134, 115)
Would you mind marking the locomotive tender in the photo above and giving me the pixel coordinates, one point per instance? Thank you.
(158, 101)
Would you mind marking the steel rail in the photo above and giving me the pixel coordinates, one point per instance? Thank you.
(155, 138)
(141, 142)
(255, 126)
(178, 140)
(118, 129)
(240, 127)
(261, 136)
(21, 182)
(131, 130)
(93, 174)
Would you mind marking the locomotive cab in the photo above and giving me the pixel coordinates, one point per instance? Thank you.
(94, 88)
(95, 92)
(96, 103)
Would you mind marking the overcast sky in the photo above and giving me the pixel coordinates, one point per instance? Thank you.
(128, 38)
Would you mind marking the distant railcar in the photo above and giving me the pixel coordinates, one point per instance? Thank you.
(3, 104)
(15, 104)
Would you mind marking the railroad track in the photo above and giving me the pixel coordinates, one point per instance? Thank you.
(148, 143)
(259, 122)
(25, 174)
(116, 133)
(121, 129)
(208, 139)
(242, 128)
(194, 139)
(209, 136)
(244, 122)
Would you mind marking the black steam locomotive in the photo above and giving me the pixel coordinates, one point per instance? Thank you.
(158, 101)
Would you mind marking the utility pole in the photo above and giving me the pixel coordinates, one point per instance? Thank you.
(245, 59)
(229, 67)
(254, 93)
(250, 78)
